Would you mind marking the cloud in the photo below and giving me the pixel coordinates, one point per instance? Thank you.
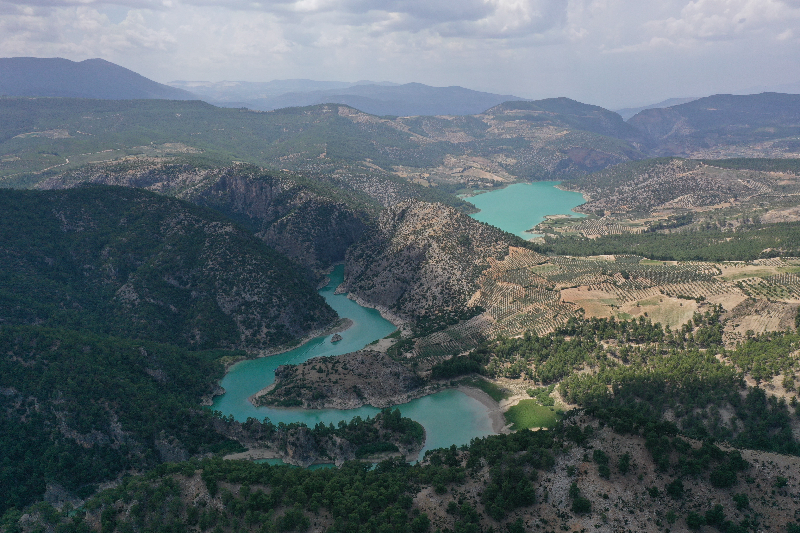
(580, 48)
(722, 20)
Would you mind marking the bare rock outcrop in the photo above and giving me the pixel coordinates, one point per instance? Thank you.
(422, 259)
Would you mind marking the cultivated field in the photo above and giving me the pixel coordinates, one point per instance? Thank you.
(531, 291)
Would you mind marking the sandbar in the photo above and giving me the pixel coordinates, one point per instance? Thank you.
(496, 416)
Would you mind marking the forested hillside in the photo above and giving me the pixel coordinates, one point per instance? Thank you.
(126, 262)
(585, 474)
(311, 218)
(41, 137)
(79, 409)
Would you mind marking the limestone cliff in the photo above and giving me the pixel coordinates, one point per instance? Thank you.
(421, 259)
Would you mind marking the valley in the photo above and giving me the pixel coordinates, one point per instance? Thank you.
(409, 298)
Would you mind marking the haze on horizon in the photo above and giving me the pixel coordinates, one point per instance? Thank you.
(614, 53)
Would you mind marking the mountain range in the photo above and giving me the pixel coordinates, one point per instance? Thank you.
(380, 99)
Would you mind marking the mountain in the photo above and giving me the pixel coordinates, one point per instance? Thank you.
(565, 112)
(382, 99)
(628, 112)
(309, 222)
(92, 78)
(422, 259)
(410, 99)
(433, 155)
(127, 262)
(229, 93)
(725, 125)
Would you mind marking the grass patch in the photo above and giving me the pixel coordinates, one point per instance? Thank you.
(496, 392)
(529, 414)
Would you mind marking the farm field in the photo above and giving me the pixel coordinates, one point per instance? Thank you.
(528, 291)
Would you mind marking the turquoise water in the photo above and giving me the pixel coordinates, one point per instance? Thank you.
(279, 462)
(449, 417)
(521, 206)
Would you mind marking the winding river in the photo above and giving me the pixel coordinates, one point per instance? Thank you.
(450, 416)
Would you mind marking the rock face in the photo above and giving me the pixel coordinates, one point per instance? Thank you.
(422, 259)
(296, 220)
(345, 382)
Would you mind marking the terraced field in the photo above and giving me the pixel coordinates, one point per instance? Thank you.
(531, 291)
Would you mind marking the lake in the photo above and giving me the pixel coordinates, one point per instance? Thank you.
(521, 206)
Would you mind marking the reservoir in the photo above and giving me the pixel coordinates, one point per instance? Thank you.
(520, 206)
(449, 417)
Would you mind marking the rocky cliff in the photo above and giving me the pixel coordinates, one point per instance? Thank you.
(421, 259)
(305, 224)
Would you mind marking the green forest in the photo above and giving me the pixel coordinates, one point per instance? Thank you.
(130, 263)
(745, 244)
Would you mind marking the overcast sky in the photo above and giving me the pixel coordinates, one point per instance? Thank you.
(614, 53)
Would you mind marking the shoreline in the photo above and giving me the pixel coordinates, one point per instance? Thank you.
(496, 416)
(341, 324)
(495, 410)
(385, 312)
(585, 195)
(254, 454)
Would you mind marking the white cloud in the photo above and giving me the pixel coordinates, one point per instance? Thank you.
(714, 20)
(597, 50)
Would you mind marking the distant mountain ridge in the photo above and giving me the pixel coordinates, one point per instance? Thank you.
(92, 78)
(226, 92)
(572, 114)
(381, 99)
(693, 128)
(628, 112)
(131, 263)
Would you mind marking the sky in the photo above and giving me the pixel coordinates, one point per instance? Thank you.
(614, 53)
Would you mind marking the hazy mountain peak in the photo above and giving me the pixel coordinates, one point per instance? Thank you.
(91, 78)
